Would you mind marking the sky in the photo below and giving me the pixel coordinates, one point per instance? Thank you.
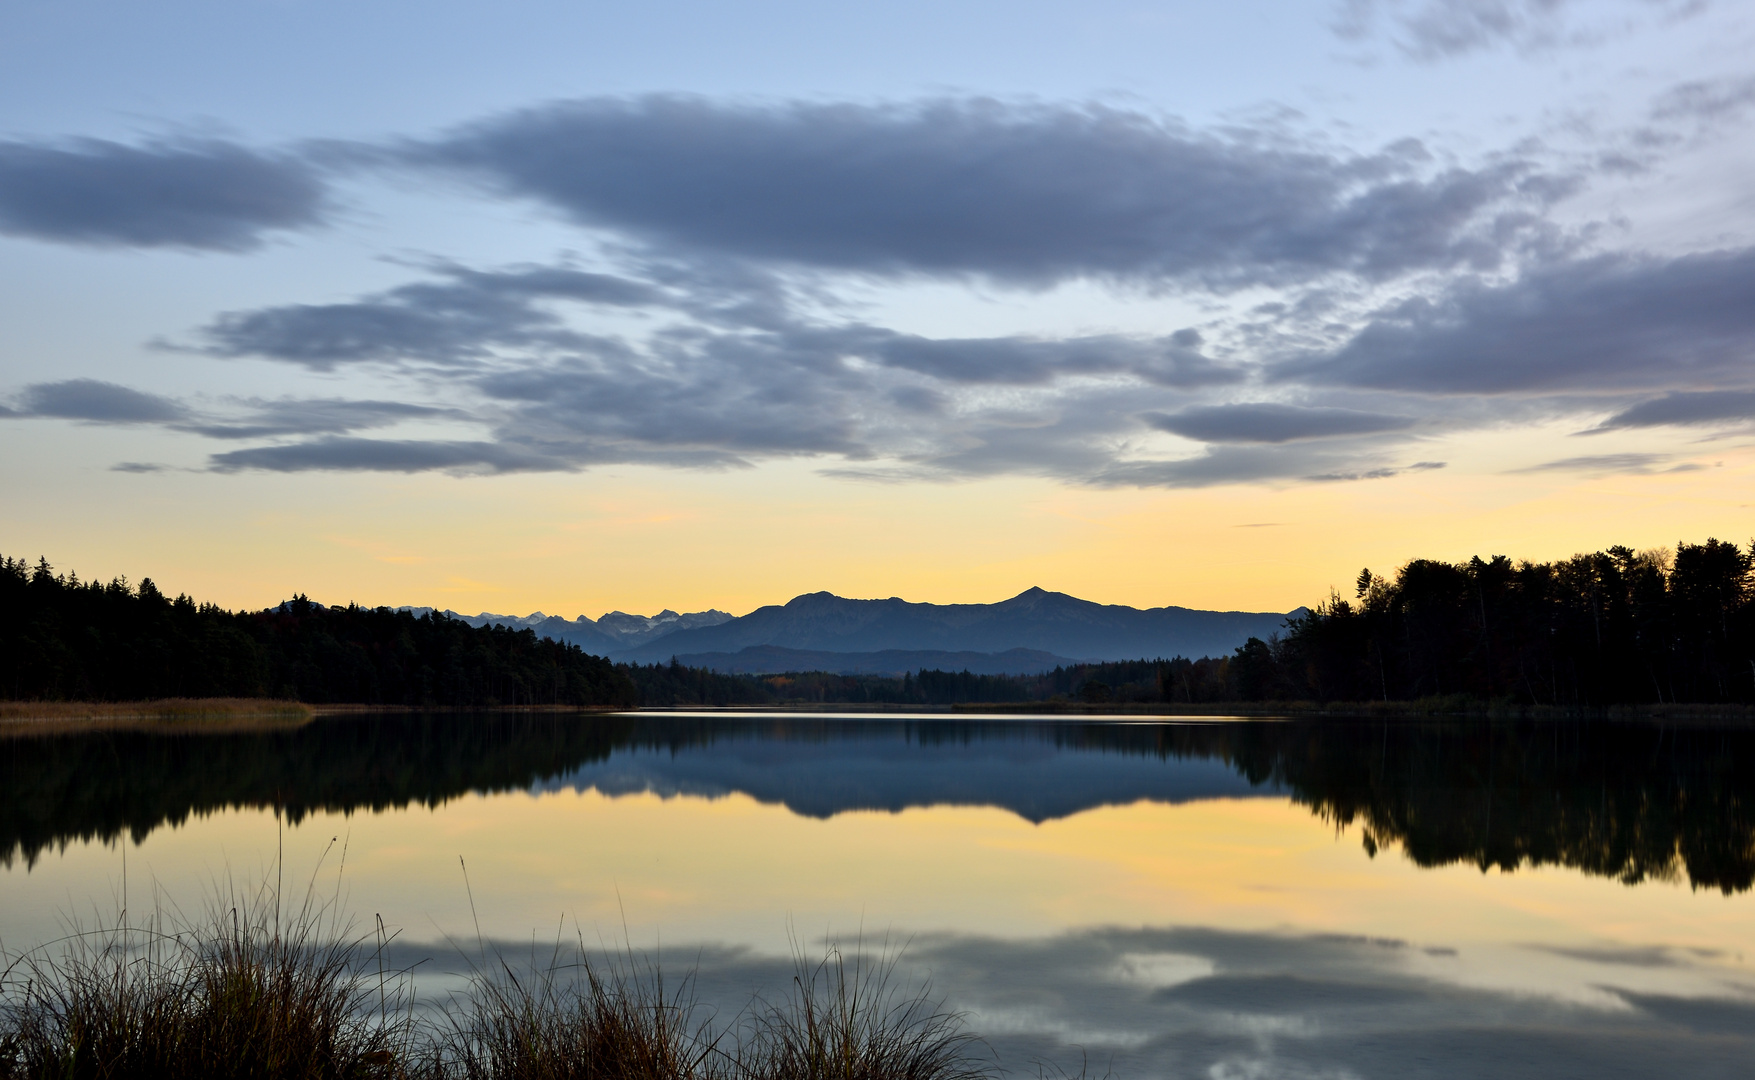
(580, 307)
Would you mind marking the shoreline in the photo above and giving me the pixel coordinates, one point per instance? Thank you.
(219, 715)
(164, 714)
(184, 715)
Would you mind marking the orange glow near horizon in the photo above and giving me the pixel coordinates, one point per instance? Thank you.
(641, 539)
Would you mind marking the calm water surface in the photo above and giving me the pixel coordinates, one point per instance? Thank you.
(1212, 899)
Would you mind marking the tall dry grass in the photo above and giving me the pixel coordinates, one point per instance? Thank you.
(848, 1019)
(245, 993)
(573, 1020)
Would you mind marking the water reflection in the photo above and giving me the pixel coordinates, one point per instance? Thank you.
(1628, 801)
(1239, 1005)
(1170, 899)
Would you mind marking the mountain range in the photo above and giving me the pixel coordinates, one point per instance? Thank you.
(1030, 632)
(610, 635)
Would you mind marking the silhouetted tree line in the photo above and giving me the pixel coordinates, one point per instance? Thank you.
(1614, 627)
(63, 639)
(1608, 628)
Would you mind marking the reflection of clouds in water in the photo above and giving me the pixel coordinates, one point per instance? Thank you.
(1216, 1004)
(1162, 969)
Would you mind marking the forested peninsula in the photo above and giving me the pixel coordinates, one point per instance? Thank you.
(1610, 628)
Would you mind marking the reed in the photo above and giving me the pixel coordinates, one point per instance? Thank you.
(848, 1019)
(244, 993)
(573, 1021)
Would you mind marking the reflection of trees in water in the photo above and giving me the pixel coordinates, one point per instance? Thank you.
(1633, 802)
(1629, 801)
(56, 790)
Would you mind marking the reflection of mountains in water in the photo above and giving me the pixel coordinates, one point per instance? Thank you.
(1623, 800)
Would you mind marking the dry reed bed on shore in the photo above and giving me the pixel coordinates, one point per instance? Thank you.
(194, 714)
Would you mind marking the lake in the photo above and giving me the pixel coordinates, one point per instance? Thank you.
(1212, 898)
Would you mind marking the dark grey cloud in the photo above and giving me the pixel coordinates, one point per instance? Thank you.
(1171, 360)
(386, 455)
(695, 384)
(1028, 194)
(1271, 422)
(319, 422)
(98, 402)
(314, 416)
(744, 398)
(1644, 956)
(1431, 30)
(1688, 408)
(459, 319)
(475, 317)
(200, 195)
(1607, 323)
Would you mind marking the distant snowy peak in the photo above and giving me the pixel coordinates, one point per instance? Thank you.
(486, 618)
(634, 629)
(616, 628)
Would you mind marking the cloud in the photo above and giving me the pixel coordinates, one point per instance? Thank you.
(97, 402)
(1270, 422)
(314, 416)
(474, 318)
(1376, 474)
(730, 372)
(724, 369)
(1020, 193)
(1438, 29)
(1713, 407)
(457, 320)
(1604, 464)
(696, 384)
(1020, 360)
(385, 455)
(1615, 322)
(205, 196)
(1232, 464)
(686, 407)
(1432, 30)
(1705, 100)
